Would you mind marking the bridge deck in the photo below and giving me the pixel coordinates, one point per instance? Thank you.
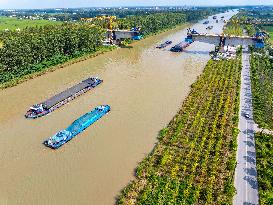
(229, 40)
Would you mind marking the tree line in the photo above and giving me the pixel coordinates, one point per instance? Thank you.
(35, 48)
(20, 51)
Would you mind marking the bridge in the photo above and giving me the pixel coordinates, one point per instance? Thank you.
(114, 35)
(117, 35)
(227, 40)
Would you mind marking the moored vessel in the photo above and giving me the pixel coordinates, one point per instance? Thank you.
(163, 45)
(209, 27)
(180, 47)
(76, 127)
(51, 104)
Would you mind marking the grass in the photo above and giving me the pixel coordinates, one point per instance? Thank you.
(195, 158)
(262, 85)
(14, 23)
(269, 29)
(264, 161)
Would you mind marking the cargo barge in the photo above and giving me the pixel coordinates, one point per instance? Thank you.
(163, 45)
(180, 47)
(76, 127)
(51, 104)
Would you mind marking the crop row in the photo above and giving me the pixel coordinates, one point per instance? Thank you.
(194, 160)
(262, 85)
(264, 152)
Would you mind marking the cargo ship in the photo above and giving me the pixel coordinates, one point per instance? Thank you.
(209, 27)
(51, 104)
(163, 45)
(76, 127)
(180, 47)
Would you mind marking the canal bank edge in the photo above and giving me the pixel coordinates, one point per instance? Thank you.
(102, 50)
(208, 124)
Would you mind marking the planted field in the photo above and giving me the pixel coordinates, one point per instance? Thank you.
(234, 27)
(269, 29)
(264, 151)
(262, 84)
(195, 158)
(14, 23)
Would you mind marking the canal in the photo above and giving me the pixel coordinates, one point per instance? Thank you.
(143, 85)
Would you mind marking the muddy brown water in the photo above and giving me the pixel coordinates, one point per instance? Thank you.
(143, 85)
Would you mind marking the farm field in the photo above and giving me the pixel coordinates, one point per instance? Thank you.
(264, 150)
(14, 23)
(262, 83)
(233, 27)
(269, 29)
(195, 158)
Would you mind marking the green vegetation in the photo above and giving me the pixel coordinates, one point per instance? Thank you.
(250, 29)
(51, 65)
(262, 84)
(234, 27)
(152, 23)
(264, 161)
(195, 158)
(269, 29)
(15, 23)
(33, 50)
(37, 48)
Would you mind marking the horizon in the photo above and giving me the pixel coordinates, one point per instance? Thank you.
(50, 4)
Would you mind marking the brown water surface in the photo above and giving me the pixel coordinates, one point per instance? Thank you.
(143, 85)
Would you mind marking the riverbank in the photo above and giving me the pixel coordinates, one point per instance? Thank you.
(195, 157)
(262, 84)
(18, 80)
(56, 65)
(264, 151)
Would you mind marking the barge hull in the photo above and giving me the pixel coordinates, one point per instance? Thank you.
(62, 98)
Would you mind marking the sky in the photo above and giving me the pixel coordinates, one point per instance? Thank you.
(27, 4)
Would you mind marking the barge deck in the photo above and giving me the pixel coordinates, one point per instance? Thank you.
(62, 98)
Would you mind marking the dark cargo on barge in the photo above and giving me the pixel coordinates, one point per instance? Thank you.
(62, 98)
(180, 47)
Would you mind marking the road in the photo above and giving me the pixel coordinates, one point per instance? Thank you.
(246, 173)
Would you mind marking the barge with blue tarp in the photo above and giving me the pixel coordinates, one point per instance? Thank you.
(51, 104)
(76, 127)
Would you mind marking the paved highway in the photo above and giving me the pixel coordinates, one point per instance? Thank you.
(246, 174)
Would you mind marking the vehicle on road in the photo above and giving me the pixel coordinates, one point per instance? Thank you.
(247, 115)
